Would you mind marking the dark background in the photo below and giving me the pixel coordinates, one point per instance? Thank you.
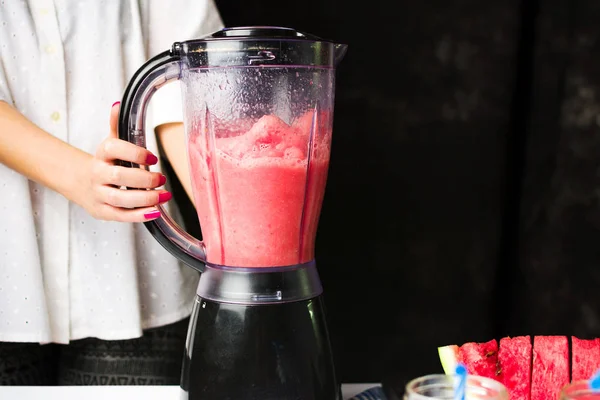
(462, 201)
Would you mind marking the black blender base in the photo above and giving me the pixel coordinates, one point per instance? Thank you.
(259, 352)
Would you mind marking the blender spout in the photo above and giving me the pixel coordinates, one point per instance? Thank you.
(340, 52)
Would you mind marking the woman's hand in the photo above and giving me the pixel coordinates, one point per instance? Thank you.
(102, 195)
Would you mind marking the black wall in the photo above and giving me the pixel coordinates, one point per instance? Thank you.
(462, 202)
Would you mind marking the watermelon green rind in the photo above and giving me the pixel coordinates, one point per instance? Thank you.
(448, 358)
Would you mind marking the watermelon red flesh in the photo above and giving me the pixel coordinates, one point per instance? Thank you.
(480, 358)
(551, 368)
(585, 358)
(514, 360)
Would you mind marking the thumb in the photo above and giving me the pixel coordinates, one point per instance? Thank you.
(114, 119)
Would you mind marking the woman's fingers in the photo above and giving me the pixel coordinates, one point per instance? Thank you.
(145, 214)
(114, 119)
(132, 198)
(112, 148)
(115, 149)
(132, 177)
(104, 199)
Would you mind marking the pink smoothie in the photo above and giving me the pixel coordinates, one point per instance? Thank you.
(258, 198)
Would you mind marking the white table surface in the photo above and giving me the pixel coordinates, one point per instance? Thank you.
(120, 392)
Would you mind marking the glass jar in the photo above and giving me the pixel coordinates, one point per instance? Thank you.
(578, 390)
(441, 387)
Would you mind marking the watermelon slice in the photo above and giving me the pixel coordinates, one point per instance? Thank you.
(585, 358)
(514, 361)
(550, 366)
(479, 358)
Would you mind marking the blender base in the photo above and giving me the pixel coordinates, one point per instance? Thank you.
(275, 351)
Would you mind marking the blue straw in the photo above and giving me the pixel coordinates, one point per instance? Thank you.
(595, 382)
(461, 385)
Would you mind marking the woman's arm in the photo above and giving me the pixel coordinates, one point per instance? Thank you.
(172, 139)
(90, 181)
(38, 155)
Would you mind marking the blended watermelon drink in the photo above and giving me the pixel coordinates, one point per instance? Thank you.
(258, 188)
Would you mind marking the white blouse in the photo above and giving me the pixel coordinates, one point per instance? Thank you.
(63, 274)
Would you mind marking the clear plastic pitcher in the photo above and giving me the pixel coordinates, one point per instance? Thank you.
(258, 114)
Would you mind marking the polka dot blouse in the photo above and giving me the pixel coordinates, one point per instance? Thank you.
(63, 274)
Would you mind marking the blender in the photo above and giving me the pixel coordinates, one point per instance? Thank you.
(258, 115)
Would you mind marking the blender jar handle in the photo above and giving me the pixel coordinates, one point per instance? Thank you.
(156, 72)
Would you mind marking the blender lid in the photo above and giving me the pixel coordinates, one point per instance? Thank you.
(259, 46)
(263, 32)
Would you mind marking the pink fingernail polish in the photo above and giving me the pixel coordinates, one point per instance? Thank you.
(115, 103)
(162, 180)
(164, 196)
(152, 215)
(151, 159)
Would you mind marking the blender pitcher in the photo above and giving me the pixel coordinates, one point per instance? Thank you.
(258, 115)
